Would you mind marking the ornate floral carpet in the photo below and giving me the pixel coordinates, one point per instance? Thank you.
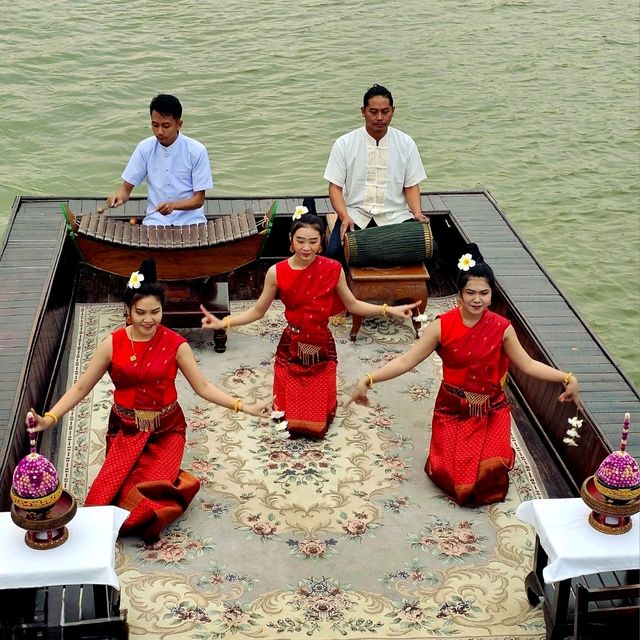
(290, 538)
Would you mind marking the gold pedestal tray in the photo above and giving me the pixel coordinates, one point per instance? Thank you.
(45, 528)
(607, 516)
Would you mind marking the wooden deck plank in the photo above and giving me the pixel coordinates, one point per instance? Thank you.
(226, 207)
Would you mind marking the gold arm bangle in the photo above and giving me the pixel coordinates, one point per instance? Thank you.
(227, 323)
(237, 405)
(565, 382)
(53, 416)
(369, 380)
(383, 312)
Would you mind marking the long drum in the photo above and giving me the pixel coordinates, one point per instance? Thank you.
(402, 243)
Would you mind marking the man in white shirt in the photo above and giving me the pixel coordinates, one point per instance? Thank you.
(175, 166)
(374, 173)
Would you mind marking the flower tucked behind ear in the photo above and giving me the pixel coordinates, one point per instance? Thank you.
(299, 212)
(135, 280)
(466, 262)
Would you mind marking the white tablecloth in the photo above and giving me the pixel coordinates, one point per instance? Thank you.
(573, 546)
(87, 557)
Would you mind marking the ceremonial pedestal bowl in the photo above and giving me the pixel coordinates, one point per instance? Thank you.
(613, 491)
(44, 525)
(611, 516)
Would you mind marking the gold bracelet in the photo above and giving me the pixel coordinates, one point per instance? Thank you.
(53, 416)
(237, 405)
(227, 323)
(565, 382)
(369, 380)
(385, 306)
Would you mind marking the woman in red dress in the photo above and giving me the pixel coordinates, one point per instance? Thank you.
(146, 432)
(312, 289)
(470, 453)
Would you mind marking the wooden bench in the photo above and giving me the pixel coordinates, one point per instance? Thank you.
(619, 616)
(71, 611)
(182, 308)
(394, 285)
(591, 606)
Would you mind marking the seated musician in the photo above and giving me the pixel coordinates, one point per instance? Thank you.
(175, 166)
(374, 173)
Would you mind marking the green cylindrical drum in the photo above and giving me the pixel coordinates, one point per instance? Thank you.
(402, 243)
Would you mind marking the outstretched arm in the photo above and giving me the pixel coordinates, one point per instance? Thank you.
(421, 350)
(523, 361)
(256, 312)
(207, 390)
(96, 368)
(360, 308)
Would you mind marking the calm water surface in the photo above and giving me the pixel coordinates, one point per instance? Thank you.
(536, 101)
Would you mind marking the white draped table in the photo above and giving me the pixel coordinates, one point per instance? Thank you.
(573, 546)
(567, 547)
(87, 557)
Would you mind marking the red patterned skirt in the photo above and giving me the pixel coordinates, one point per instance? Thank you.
(470, 455)
(306, 392)
(141, 473)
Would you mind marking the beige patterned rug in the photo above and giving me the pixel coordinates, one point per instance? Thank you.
(344, 538)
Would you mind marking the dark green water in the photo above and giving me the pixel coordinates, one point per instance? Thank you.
(538, 102)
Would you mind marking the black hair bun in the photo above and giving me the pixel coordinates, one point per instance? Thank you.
(148, 270)
(310, 204)
(472, 248)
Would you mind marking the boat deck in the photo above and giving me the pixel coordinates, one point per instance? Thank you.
(37, 266)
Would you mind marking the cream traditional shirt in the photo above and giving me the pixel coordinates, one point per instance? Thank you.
(373, 174)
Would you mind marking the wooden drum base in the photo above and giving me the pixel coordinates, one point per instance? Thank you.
(393, 285)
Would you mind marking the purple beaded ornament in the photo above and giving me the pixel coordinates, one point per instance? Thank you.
(618, 476)
(40, 505)
(35, 480)
(613, 492)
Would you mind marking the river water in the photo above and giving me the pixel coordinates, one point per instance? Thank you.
(536, 101)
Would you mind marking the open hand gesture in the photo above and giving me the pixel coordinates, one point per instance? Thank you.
(209, 321)
(258, 409)
(359, 393)
(38, 422)
(403, 310)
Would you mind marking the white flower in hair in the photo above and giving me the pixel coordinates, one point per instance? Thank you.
(135, 280)
(466, 262)
(299, 212)
(276, 415)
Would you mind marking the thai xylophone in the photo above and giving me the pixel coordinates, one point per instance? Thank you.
(217, 230)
